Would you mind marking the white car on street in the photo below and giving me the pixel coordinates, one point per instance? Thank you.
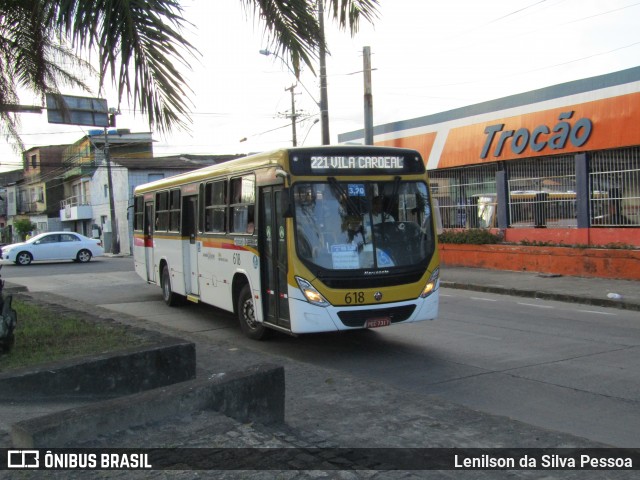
(53, 246)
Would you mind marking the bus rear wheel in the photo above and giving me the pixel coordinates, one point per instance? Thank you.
(169, 296)
(246, 316)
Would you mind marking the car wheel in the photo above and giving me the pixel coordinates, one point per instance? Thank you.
(247, 318)
(24, 258)
(83, 256)
(170, 297)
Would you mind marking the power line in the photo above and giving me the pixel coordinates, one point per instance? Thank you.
(542, 27)
(495, 20)
(575, 60)
(514, 12)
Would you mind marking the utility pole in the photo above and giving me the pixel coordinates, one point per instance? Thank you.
(293, 115)
(324, 102)
(115, 241)
(368, 97)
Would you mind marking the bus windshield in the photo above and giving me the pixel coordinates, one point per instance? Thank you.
(359, 225)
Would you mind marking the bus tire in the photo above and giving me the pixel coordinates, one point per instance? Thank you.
(246, 316)
(171, 298)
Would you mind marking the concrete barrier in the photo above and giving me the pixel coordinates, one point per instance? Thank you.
(166, 361)
(618, 264)
(255, 394)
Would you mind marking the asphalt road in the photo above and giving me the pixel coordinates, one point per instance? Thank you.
(562, 366)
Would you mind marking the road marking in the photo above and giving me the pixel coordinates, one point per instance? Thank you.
(484, 299)
(534, 305)
(596, 312)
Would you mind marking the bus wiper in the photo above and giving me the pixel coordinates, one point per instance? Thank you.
(342, 194)
(394, 195)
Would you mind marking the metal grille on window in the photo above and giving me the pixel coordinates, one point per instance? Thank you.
(465, 196)
(542, 192)
(615, 188)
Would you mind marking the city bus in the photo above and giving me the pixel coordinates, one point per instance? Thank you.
(298, 240)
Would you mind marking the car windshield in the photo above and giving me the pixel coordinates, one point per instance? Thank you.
(363, 225)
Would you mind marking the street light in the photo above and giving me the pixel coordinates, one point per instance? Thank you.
(309, 131)
(268, 53)
(323, 103)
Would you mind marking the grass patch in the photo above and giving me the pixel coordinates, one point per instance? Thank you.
(42, 336)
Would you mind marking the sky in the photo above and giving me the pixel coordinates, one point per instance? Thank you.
(427, 57)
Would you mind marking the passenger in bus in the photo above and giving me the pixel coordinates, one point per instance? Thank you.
(378, 213)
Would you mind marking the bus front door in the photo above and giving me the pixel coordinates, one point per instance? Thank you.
(148, 241)
(273, 255)
(190, 248)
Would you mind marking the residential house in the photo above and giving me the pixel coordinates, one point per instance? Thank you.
(67, 187)
(85, 207)
(81, 161)
(38, 192)
(8, 202)
(127, 173)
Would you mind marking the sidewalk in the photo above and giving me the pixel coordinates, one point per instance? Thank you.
(591, 291)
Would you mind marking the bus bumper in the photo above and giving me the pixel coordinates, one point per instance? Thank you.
(308, 318)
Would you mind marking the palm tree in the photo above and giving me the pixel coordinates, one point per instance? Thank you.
(138, 44)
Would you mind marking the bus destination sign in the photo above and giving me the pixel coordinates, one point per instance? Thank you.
(325, 162)
(356, 162)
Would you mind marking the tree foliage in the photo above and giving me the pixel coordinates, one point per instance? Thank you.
(293, 28)
(139, 46)
(23, 226)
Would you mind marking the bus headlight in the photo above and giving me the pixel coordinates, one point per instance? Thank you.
(430, 287)
(311, 294)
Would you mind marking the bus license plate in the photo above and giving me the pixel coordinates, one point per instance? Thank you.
(377, 322)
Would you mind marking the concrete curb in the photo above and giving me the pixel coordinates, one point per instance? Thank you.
(254, 394)
(165, 362)
(10, 288)
(562, 297)
(160, 360)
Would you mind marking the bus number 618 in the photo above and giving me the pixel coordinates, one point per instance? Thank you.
(354, 297)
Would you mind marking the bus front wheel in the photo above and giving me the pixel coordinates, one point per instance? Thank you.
(169, 296)
(246, 315)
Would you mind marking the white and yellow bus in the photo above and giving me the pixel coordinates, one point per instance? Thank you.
(298, 240)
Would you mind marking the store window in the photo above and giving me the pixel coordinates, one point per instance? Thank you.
(615, 188)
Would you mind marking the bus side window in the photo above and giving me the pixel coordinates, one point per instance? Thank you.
(174, 210)
(250, 219)
(162, 211)
(215, 210)
(138, 213)
(242, 207)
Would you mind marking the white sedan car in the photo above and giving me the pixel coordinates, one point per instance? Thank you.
(53, 246)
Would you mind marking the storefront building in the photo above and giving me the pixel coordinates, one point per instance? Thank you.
(560, 164)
